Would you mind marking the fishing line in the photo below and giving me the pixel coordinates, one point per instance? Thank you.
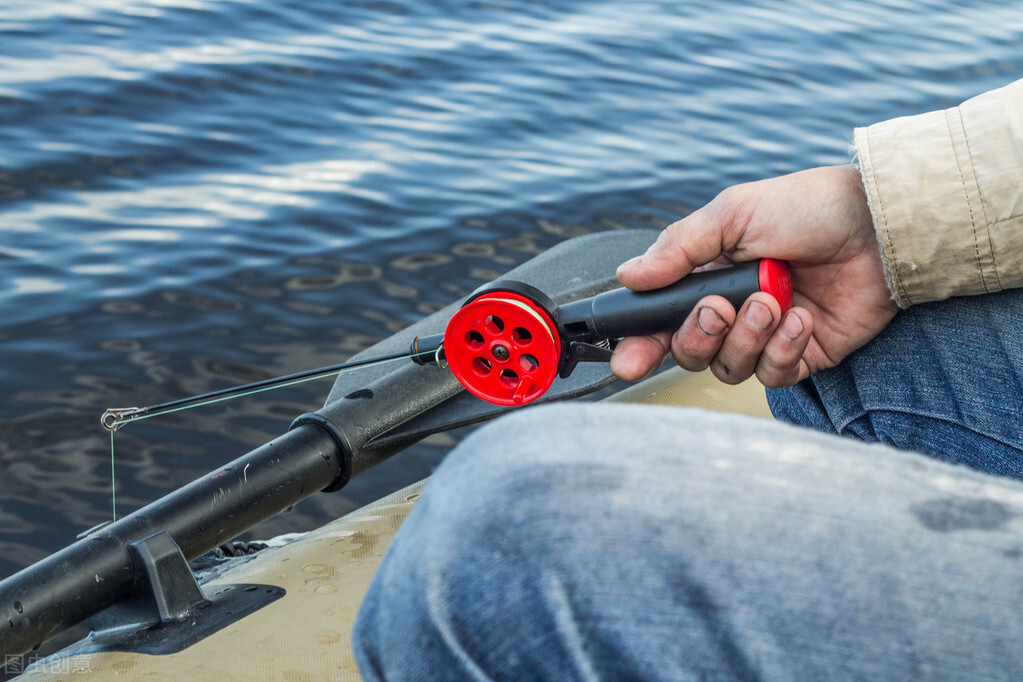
(115, 418)
(113, 479)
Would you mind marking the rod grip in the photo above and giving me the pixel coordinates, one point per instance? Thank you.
(623, 312)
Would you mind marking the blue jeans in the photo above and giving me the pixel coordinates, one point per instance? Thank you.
(628, 542)
(944, 379)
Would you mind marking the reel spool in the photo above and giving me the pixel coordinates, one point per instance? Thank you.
(503, 345)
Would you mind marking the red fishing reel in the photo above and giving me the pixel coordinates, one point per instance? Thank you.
(503, 345)
(509, 341)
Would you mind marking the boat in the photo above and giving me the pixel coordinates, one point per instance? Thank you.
(286, 611)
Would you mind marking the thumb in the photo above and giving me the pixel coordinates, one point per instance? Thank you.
(681, 247)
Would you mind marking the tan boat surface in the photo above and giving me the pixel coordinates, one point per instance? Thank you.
(306, 634)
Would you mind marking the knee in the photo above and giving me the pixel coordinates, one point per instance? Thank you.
(531, 521)
(459, 562)
(527, 460)
(501, 489)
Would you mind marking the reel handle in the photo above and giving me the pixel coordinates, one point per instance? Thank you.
(623, 312)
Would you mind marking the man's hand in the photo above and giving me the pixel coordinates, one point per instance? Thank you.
(817, 220)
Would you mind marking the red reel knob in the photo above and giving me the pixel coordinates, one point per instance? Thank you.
(503, 347)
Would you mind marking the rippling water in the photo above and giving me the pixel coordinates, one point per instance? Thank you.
(198, 193)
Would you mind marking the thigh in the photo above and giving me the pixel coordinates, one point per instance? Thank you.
(944, 379)
(625, 542)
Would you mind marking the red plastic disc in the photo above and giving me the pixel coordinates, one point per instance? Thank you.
(503, 348)
(776, 279)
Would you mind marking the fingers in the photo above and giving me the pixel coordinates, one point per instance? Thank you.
(741, 348)
(782, 363)
(756, 340)
(699, 340)
(730, 344)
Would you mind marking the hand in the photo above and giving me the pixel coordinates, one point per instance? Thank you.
(817, 220)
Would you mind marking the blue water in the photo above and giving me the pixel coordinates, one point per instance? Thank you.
(197, 193)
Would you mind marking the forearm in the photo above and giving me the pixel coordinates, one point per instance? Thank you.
(946, 193)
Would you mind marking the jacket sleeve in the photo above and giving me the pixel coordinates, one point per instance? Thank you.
(946, 192)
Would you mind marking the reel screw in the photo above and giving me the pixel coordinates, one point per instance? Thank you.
(501, 353)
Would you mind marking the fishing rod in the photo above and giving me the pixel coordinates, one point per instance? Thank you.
(509, 340)
(506, 344)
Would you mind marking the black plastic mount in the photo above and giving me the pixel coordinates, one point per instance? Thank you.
(169, 611)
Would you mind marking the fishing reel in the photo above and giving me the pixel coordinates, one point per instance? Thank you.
(509, 341)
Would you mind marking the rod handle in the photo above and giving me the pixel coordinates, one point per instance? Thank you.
(622, 312)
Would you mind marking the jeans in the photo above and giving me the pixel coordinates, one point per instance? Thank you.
(944, 379)
(626, 542)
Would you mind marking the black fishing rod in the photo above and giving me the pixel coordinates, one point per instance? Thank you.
(505, 344)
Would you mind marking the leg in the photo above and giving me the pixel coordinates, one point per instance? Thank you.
(627, 542)
(944, 379)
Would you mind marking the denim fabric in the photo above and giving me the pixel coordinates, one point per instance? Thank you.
(944, 379)
(621, 542)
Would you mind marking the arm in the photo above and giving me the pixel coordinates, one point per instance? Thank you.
(946, 189)
(821, 221)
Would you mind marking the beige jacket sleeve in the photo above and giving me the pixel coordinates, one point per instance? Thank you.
(946, 192)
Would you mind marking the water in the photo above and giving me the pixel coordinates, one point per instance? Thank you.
(198, 193)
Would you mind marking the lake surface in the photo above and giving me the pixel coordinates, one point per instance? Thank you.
(201, 193)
